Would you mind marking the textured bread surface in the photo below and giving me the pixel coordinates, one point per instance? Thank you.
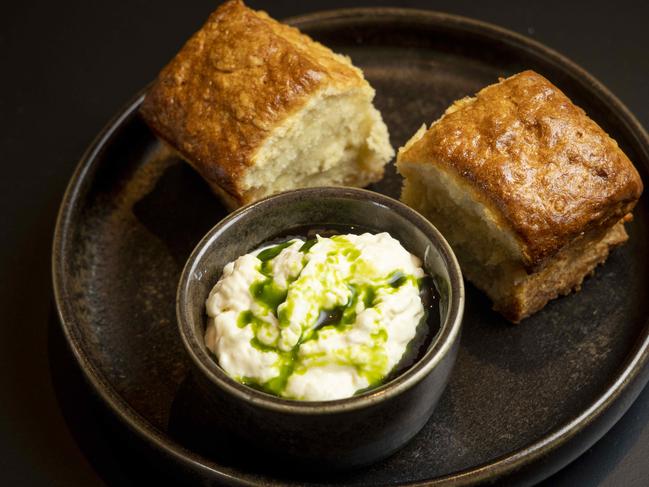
(548, 170)
(528, 190)
(257, 107)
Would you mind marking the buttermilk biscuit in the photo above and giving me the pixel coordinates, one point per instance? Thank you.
(257, 107)
(530, 192)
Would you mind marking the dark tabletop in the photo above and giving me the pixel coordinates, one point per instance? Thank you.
(66, 68)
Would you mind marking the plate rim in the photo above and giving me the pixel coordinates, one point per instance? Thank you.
(608, 407)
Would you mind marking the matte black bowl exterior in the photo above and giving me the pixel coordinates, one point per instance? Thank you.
(328, 434)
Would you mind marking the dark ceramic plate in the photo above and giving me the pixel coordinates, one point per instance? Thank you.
(522, 402)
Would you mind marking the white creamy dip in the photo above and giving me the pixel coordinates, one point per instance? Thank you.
(316, 320)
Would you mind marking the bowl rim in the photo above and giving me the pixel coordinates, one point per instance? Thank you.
(440, 347)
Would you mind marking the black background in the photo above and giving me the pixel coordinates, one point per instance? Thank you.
(65, 68)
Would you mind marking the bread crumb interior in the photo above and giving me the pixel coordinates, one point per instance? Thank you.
(336, 139)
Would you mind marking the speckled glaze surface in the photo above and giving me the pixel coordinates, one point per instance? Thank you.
(522, 400)
(327, 435)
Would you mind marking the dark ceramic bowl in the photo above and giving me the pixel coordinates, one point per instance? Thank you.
(329, 434)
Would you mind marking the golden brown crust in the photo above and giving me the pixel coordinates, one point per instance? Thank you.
(550, 171)
(235, 80)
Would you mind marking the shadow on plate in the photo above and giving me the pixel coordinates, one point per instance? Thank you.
(119, 456)
(179, 199)
(191, 426)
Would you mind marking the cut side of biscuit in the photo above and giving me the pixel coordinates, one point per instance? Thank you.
(257, 107)
(338, 138)
(530, 193)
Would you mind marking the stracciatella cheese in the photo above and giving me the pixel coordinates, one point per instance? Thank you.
(316, 320)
